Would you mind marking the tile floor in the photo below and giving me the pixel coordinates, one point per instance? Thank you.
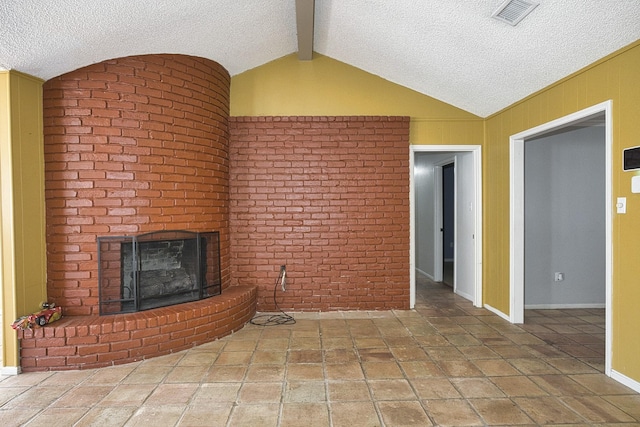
(444, 363)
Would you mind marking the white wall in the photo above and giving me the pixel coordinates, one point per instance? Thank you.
(565, 218)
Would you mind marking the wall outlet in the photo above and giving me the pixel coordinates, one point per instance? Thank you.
(558, 277)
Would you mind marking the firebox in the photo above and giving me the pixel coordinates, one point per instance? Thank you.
(157, 269)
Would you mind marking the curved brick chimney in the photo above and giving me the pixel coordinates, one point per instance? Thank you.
(132, 145)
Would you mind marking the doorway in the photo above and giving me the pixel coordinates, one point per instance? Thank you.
(517, 211)
(448, 221)
(425, 234)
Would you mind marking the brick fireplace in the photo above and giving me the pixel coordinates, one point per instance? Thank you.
(133, 145)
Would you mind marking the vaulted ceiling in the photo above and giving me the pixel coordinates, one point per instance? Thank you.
(450, 50)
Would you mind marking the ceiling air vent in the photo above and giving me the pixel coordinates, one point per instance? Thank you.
(513, 11)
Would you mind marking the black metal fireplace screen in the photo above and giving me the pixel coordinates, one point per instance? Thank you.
(157, 269)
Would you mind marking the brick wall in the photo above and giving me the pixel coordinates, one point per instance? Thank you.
(132, 145)
(329, 198)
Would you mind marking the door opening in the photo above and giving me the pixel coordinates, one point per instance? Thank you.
(517, 211)
(425, 233)
(448, 221)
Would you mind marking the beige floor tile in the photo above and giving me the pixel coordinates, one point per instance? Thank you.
(128, 395)
(83, 397)
(308, 372)
(391, 390)
(205, 415)
(14, 417)
(111, 375)
(560, 385)
(500, 412)
(237, 345)
(363, 341)
(265, 414)
(256, 393)
(459, 368)
(305, 392)
(463, 340)
(187, 374)
(596, 409)
(380, 370)
(147, 374)
(171, 394)
(547, 410)
(533, 366)
(452, 413)
(198, 358)
(496, 367)
(421, 369)
(304, 415)
(341, 355)
(478, 352)
(568, 365)
(57, 417)
(350, 414)
(8, 393)
(273, 344)
(233, 358)
(265, 373)
(71, 378)
(476, 387)
(376, 355)
(409, 353)
(225, 374)
(600, 384)
(347, 391)
(156, 416)
(630, 404)
(305, 356)
(403, 413)
(435, 388)
(518, 386)
(216, 393)
(269, 357)
(445, 353)
(37, 397)
(330, 343)
(106, 417)
(432, 340)
(344, 371)
(401, 341)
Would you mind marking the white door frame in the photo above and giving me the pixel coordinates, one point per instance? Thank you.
(516, 264)
(477, 161)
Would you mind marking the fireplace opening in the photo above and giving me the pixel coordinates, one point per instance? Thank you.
(157, 269)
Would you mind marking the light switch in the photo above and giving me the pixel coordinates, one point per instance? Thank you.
(635, 184)
(621, 205)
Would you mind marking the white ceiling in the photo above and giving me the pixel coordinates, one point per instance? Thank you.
(449, 50)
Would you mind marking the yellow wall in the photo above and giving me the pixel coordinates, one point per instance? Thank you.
(326, 87)
(615, 78)
(22, 214)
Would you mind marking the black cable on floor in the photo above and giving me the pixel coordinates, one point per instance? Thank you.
(274, 319)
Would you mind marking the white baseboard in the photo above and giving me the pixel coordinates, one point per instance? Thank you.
(561, 306)
(497, 312)
(465, 295)
(625, 380)
(10, 370)
(428, 276)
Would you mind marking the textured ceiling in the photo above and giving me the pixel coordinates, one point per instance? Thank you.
(449, 50)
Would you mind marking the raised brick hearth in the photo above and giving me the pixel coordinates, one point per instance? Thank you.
(82, 342)
(132, 145)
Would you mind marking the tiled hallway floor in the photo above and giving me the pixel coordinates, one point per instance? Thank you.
(445, 363)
